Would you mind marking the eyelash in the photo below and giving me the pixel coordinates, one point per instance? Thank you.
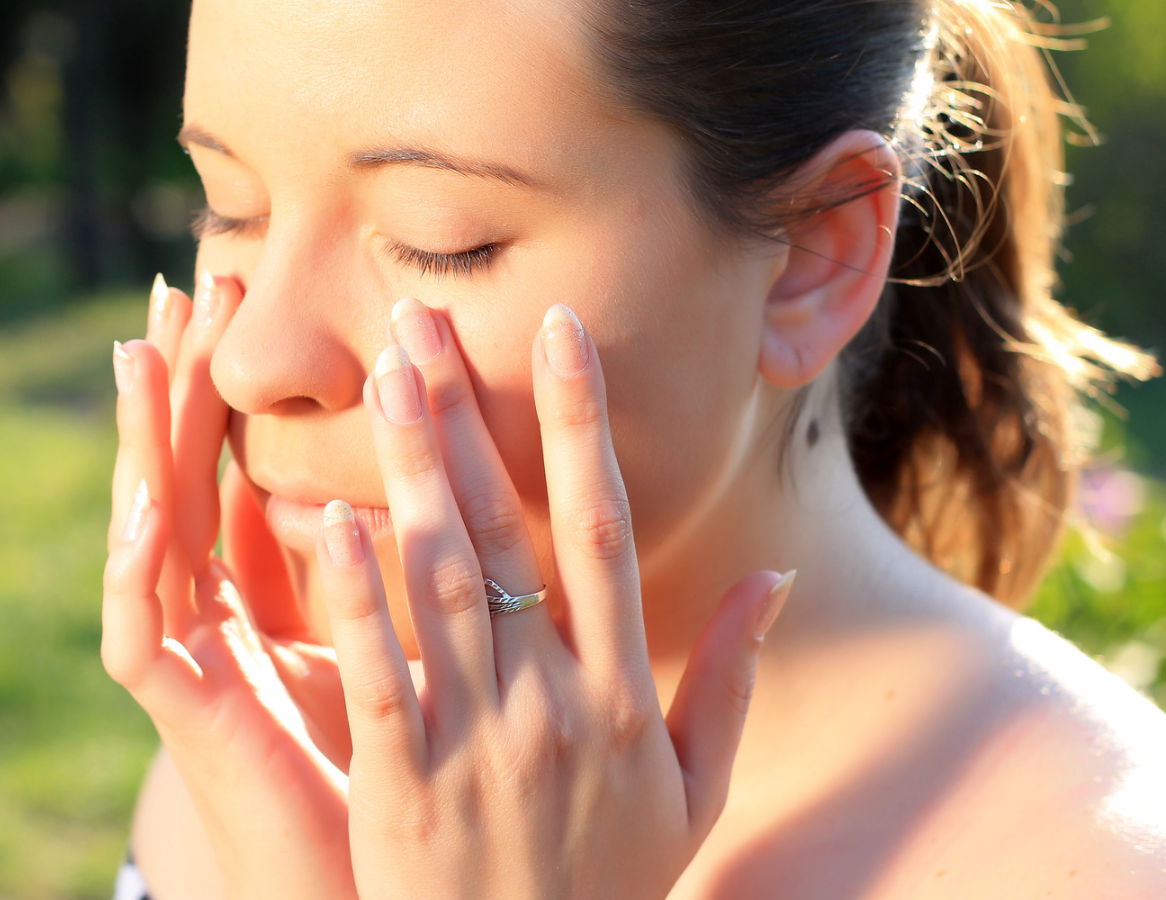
(209, 223)
(442, 264)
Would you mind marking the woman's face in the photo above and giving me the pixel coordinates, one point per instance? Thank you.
(347, 150)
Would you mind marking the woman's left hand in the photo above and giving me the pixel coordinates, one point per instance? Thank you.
(535, 763)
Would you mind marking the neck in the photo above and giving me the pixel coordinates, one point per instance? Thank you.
(805, 510)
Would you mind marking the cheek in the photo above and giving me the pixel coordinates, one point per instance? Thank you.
(495, 333)
(680, 379)
(678, 354)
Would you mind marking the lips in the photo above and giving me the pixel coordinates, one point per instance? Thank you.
(296, 524)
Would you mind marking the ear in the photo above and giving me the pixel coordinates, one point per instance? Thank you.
(838, 261)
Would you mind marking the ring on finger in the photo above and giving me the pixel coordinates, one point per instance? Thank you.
(500, 601)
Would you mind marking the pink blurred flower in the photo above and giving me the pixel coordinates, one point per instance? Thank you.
(1111, 498)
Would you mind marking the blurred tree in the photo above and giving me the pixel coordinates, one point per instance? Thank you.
(93, 190)
(95, 193)
(1116, 247)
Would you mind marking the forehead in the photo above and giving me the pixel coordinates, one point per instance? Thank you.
(492, 77)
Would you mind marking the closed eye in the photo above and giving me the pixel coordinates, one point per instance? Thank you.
(442, 264)
(209, 223)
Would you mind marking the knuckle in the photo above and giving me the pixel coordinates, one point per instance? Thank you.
(739, 691)
(628, 714)
(545, 739)
(117, 665)
(494, 521)
(414, 461)
(447, 395)
(355, 614)
(550, 728)
(580, 412)
(604, 526)
(379, 699)
(457, 585)
(121, 567)
(112, 576)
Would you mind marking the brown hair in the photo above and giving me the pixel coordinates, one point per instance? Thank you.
(962, 390)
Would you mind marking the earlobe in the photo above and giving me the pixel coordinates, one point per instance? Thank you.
(839, 257)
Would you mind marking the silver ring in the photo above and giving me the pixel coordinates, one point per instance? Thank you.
(501, 602)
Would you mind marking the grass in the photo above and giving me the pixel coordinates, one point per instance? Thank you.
(73, 745)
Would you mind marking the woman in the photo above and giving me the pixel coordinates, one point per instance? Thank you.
(661, 233)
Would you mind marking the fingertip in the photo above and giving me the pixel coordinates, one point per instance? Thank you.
(369, 393)
(123, 368)
(773, 603)
(341, 536)
(143, 354)
(565, 343)
(230, 292)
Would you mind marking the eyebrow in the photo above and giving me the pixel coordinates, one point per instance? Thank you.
(419, 156)
(379, 157)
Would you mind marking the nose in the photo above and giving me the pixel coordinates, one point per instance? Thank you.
(296, 339)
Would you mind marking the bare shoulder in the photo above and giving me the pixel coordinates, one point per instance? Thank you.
(1090, 760)
(981, 757)
(1065, 794)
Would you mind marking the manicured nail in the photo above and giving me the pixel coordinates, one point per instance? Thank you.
(415, 330)
(773, 603)
(341, 535)
(137, 514)
(564, 341)
(206, 299)
(396, 386)
(159, 303)
(123, 368)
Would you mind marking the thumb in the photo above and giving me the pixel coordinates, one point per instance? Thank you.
(252, 554)
(708, 713)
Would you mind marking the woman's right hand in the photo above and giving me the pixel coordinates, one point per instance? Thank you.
(178, 635)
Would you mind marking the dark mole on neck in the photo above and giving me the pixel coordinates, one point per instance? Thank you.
(812, 433)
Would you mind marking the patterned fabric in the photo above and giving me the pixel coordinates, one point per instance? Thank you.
(130, 884)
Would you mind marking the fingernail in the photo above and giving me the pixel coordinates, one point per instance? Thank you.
(564, 341)
(137, 514)
(341, 535)
(396, 386)
(206, 299)
(123, 368)
(159, 303)
(773, 603)
(415, 330)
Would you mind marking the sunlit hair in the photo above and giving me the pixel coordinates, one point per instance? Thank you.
(962, 393)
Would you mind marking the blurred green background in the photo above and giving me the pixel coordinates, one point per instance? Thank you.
(95, 197)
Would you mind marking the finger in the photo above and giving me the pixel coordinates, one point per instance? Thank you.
(169, 313)
(485, 495)
(199, 421)
(384, 717)
(595, 556)
(256, 562)
(443, 581)
(708, 712)
(143, 422)
(134, 649)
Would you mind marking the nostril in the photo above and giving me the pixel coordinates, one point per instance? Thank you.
(296, 406)
(265, 363)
